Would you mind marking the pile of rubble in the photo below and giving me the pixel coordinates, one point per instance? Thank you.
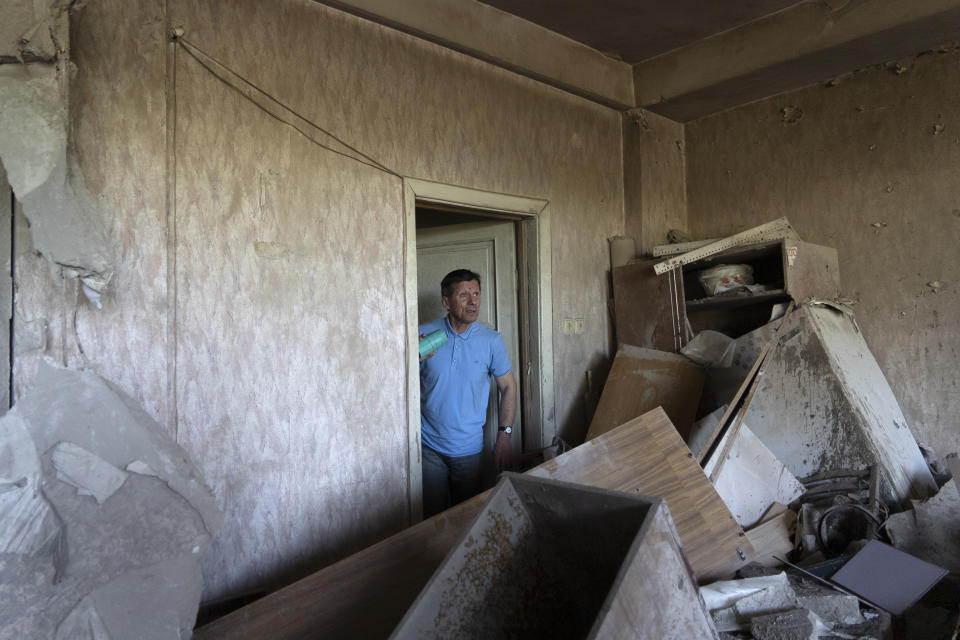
(776, 490)
(105, 520)
(801, 435)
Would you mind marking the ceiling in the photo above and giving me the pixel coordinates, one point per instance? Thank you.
(682, 59)
(635, 30)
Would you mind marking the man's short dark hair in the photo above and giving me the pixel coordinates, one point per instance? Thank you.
(454, 277)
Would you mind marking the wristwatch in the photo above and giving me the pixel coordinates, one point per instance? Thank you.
(507, 430)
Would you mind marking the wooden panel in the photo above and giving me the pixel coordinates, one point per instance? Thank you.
(642, 380)
(773, 537)
(810, 271)
(644, 314)
(647, 455)
(366, 595)
(750, 478)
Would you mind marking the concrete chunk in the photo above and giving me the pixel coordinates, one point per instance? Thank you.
(833, 608)
(80, 407)
(89, 473)
(126, 564)
(796, 624)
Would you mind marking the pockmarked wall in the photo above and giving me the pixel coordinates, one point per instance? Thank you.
(259, 312)
(868, 165)
(654, 164)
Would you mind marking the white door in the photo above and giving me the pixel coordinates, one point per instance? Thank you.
(489, 249)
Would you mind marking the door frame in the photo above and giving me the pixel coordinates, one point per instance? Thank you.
(532, 218)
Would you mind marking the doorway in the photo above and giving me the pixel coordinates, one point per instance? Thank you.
(506, 240)
(488, 249)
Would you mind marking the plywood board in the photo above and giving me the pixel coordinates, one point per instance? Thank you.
(367, 594)
(660, 464)
(751, 478)
(773, 537)
(641, 380)
(649, 310)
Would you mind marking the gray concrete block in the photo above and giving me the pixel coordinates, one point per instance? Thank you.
(796, 624)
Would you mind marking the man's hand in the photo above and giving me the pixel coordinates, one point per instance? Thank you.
(502, 453)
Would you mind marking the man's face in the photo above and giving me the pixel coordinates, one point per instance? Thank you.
(463, 303)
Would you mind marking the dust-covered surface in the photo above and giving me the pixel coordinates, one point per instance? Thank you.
(90, 549)
(823, 404)
(270, 336)
(870, 170)
(532, 566)
(65, 220)
(34, 28)
(33, 131)
(931, 529)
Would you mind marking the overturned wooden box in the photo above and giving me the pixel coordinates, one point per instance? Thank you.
(553, 559)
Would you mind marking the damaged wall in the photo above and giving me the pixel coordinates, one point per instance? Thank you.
(654, 164)
(866, 164)
(270, 337)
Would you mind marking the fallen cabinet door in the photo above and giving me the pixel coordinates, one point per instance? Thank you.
(552, 559)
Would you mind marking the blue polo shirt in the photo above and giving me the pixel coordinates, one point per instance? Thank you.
(455, 387)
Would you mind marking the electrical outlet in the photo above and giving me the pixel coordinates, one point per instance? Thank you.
(578, 326)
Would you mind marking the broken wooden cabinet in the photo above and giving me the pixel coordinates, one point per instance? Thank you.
(560, 560)
(653, 311)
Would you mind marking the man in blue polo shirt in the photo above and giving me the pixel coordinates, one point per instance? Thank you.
(454, 390)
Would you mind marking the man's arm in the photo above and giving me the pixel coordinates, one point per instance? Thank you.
(507, 385)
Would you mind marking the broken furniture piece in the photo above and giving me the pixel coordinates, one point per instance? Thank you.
(749, 478)
(560, 560)
(821, 403)
(105, 519)
(674, 303)
(641, 380)
(367, 594)
(773, 536)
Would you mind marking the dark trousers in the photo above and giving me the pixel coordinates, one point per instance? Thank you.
(448, 481)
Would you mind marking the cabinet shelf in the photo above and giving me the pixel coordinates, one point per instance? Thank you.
(737, 300)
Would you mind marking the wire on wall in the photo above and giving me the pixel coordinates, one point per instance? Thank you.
(256, 95)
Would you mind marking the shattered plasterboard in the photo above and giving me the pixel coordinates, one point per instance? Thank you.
(65, 221)
(34, 28)
(106, 520)
(33, 130)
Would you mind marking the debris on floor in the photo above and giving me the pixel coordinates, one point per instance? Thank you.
(931, 529)
(754, 409)
(105, 519)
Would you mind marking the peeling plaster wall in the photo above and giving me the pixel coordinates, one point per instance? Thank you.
(289, 362)
(654, 163)
(880, 147)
